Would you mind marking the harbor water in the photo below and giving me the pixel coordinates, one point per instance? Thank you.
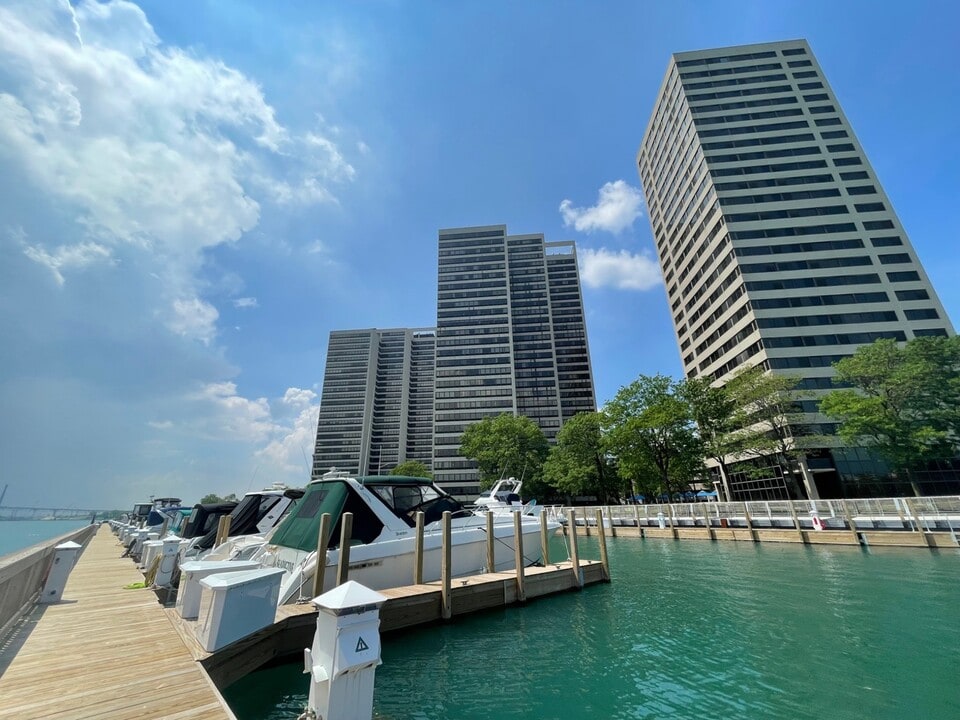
(687, 629)
(16, 535)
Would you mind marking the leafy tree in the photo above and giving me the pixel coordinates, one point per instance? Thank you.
(213, 499)
(719, 422)
(650, 426)
(412, 468)
(507, 446)
(770, 421)
(905, 401)
(578, 463)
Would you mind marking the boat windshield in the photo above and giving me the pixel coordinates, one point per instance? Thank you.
(406, 500)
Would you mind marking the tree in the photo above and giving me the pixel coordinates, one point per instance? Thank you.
(506, 446)
(412, 468)
(214, 499)
(905, 401)
(718, 419)
(648, 425)
(578, 464)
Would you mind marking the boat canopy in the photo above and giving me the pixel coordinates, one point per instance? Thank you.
(203, 518)
(403, 496)
(243, 518)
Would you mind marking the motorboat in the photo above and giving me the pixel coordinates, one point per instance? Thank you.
(256, 514)
(504, 497)
(383, 539)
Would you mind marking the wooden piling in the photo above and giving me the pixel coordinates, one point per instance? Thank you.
(602, 537)
(163, 527)
(574, 548)
(544, 538)
(850, 523)
(223, 530)
(636, 517)
(418, 550)
(491, 548)
(346, 534)
(796, 523)
(586, 523)
(518, 556)
(446, 568)
(746, 515)
(706, 521)
(673, 529)
(903, 520)
(911, 506)
(323, 537)
(613, 528)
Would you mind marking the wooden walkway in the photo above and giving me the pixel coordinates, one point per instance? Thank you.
(106, 653)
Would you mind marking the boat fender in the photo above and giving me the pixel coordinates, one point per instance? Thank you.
(817, 522)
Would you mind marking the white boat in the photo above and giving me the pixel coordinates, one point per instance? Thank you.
(256, 514)
(382, 549)
(504, 497)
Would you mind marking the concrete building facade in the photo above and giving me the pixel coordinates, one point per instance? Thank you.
(376, 407)
(777, 243)
(511, 338)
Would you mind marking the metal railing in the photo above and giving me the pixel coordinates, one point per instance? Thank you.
(913, 513)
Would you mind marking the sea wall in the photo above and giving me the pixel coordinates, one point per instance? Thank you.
(23, 573)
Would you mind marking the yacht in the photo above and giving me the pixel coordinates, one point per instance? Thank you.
(504, 497)
(384, 512)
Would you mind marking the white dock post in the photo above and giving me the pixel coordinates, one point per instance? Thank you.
(65, 556)
(346, 652)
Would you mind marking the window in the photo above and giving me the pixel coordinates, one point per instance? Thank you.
(841, 147)
(934, 332)
(816, 96)
(834, 134)
(906, 295)
(870, 207)
(855, 175)
(810, 85)
(824, 122)
(789, 213)
(795, 51)
(878, 225)
(805, 74)
(822, 109)
(840, 162)
(922, 314)
(905, 276)
(894, 258)
(862, 190)
(890, 241)
(799, 63)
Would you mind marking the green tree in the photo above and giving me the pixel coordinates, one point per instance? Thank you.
(213, 499)
(412, 468)
(578, 464)
(650, 426)
(905, 401)
(507, 446)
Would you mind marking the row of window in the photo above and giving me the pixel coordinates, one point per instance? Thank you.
(819, 300)
(856, 318)
(749, 129)
(857, 338)
(781, 197)
(809, 264)
(788, 213)
(800, 247)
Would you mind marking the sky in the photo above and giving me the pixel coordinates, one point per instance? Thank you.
(194, 193)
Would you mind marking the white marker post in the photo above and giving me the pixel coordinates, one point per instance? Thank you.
(345, 653)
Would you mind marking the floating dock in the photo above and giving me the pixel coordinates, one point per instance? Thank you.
(108, 653)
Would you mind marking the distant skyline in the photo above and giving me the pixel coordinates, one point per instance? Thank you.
(194, 194)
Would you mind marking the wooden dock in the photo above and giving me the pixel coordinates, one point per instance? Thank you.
(111, 653)
(406, 607)
(106, 653)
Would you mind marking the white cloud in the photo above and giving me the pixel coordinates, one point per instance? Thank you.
(292, 450)
(147, 146)
(245, 302)
(229, 416)
(194, 318)
(67, 256)
(161, 424)
(618, 205)
(618, 269)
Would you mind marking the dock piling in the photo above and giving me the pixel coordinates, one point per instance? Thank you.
(491, 557)
(346, 534)
(445, 567)
(602, 537)
(574, 548)
(518, 556)
(544, 538)
(418, 550)
(323, 537)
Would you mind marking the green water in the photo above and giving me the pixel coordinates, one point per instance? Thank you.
(686, 630)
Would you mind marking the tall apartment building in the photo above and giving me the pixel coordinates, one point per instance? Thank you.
(376, 408)
(511, 338)
(777, 243)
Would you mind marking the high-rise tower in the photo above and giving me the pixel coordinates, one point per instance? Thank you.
(511, 338)
(376, 409)
(777, 243)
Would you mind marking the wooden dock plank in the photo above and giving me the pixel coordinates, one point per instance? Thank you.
(107, 653)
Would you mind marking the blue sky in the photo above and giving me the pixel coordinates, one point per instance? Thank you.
(194, 194)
